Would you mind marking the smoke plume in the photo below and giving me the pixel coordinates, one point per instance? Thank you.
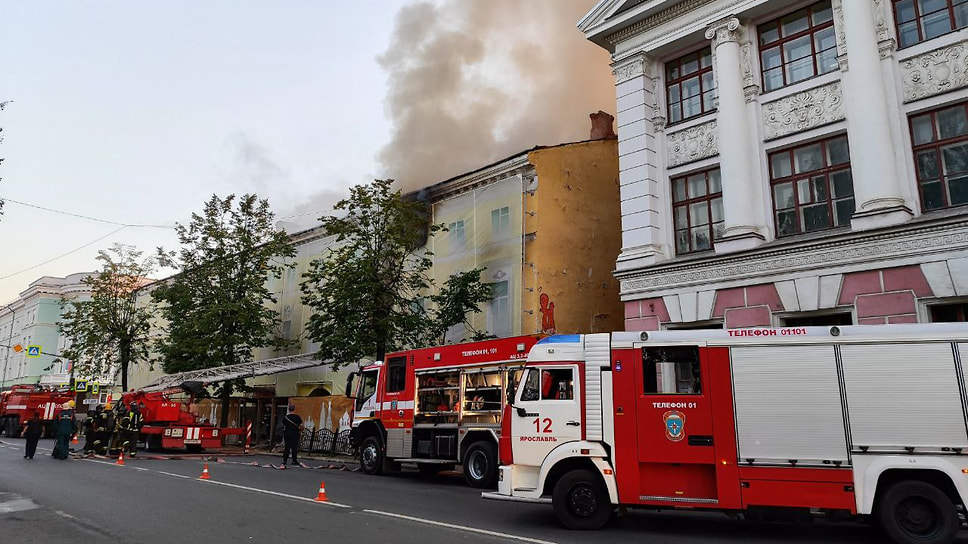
(473, 81)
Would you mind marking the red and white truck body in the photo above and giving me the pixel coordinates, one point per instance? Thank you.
(854, 421)
(168, 423)
(19, 404)
(437, 407)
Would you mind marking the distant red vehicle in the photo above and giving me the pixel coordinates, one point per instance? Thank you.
(19, 404)
(169, 423)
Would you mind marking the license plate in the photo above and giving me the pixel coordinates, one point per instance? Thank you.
(193, 441)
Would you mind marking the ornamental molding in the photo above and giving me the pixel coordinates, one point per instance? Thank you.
(692, 144)
(885, 40)
(803, 110)
(935, 72)
(690, 15)
(751, 88)
(724, 31)
(629, 68)
(883, 248)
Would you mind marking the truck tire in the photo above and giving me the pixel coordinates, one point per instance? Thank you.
(581, 501)
(13, 427)
(480, 464)
(914, 512)
(371, 455)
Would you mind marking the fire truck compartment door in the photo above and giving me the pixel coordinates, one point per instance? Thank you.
(676, 447)
(548, 412)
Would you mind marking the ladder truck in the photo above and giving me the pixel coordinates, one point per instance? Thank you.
(858, 422)
(437, 407)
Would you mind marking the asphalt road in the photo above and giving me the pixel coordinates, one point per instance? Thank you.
(162, 501)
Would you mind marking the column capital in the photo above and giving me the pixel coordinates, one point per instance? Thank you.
(724, 31)
(636, 65)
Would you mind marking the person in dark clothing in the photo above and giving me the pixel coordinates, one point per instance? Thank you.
(34, 429)
(130, 429)
(66, 427)
(89, 423)
(292, 426)
(102, 429)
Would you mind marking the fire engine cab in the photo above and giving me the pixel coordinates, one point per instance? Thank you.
(437, 407)
(865, 422)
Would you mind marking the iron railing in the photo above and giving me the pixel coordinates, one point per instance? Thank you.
(325, 441)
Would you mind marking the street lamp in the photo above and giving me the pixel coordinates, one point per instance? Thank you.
(13, 319)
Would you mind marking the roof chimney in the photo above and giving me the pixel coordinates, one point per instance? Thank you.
(601, 126)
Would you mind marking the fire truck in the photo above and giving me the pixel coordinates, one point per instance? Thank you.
(437, 407)
(19, 404)
(860, 422)
(170, 424)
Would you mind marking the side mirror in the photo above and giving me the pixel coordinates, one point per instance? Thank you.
(349, 386)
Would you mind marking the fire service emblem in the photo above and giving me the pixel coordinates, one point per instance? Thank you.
(675, 424)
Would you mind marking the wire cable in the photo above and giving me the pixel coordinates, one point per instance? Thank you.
(135, 225)
(115, 231)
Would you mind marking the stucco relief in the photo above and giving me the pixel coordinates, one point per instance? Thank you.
(692, 144)
(935, 72)
(803, 110)
(798, 259)
(750, 88)
(629, 70)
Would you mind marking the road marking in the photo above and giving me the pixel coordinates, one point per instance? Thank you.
(17, 505)
(460, 527)
(267, 492)
(175, 475)
(141, 468)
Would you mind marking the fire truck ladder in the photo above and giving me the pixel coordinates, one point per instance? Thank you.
(231, 372)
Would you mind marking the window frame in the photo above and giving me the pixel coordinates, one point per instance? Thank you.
(794, 178)
(811, 31)
(396, 375)
(651, 374)
(689, 201)
(937, 146)
(502, 227)
(918, 17)
(458, 243)
(677, 82)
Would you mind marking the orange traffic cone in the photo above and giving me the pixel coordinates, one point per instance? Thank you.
(120, 461)
(74, 440)
(204, 475)
(321, 496)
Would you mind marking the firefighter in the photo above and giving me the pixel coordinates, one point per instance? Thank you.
(89, 422)
(130, 427)
(102, 429)
(66, 427)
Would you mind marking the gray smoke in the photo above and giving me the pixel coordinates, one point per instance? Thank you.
(474, 81)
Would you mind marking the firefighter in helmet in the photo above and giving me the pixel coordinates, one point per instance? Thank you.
(130, 427)
(102, 429)
(66, 427)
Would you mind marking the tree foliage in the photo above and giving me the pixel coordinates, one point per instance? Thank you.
(110, 331)
(367, 292)
(217, 305)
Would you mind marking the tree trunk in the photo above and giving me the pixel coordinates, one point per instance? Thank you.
(125, 359)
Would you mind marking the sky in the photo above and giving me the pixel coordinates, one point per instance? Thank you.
(126, 116)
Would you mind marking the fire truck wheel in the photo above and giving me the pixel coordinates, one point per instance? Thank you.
(917, 512)
(581, 501)
(371, 455)
(480, 464)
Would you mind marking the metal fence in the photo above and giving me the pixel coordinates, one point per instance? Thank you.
(325, 441)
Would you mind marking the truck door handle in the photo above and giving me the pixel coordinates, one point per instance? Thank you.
(700, 440)
(573, 423)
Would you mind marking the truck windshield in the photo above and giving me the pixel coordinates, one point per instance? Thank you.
(367, 387)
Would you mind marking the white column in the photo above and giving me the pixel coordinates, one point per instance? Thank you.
(642, 241)
(741, 193)
(878, 193)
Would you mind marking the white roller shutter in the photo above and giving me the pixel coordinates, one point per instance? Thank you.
(788, 405)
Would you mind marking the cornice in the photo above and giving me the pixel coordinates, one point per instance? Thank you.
(519, 164)
(824, 253)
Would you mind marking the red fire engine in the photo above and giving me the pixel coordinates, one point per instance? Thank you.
(170, 424)
(866, 422)
(437, 407)
(19, 404)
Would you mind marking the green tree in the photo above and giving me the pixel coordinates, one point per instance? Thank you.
(217, 305)
(367, 292)
(110, 331)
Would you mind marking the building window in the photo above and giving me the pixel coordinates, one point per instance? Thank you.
(499, 310)
(949, 313)
(456, 236)
(812, 187)
(697, 210)
(822, 320)
(921, 20)
(690, 88)
(798, 46)
(940, 142)
(500, 222)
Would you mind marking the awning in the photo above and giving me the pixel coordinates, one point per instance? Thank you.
(244, 370)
